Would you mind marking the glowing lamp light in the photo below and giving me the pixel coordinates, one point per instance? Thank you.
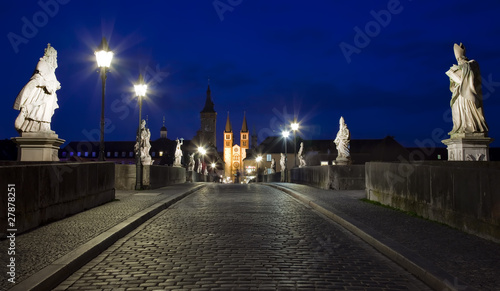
(202, 151)
(213, 165)
(295, 126)
(103, 55)
(140, 88)
(286, 133)
(259, 159)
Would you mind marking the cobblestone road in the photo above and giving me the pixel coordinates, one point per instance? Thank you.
(240, 237)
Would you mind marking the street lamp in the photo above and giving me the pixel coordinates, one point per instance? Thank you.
(295, 127)
(103, 56)
(140, 91)
(258, 159)
(285, 133)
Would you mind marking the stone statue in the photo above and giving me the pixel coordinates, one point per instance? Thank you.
(283, 162)
(143, 145)
(467, 97)
(302, 160)
(191, 162)
(342, 141)
(205, 172)
(273, 166)
(38, 99)
(178, 153)
(200, 166)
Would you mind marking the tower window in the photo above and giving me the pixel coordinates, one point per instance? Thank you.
(228, 144)
(244, 143)
(269, 158)
(244, 136)
(228, 136)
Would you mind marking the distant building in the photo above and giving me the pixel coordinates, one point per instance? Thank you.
(234, 154)
(323, 152)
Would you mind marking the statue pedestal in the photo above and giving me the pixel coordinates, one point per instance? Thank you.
(468, 147)
(341, 161)
(38, 146)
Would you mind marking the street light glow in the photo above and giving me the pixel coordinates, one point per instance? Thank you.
(258, 159)
(202, 150)
(213, 165)
(286, 133)
(295, 126)
(103, 55)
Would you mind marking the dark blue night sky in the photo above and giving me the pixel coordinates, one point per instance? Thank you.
(380, 64)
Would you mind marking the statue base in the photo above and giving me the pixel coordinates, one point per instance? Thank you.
(468, 147)
(341, 162)
(38, 146)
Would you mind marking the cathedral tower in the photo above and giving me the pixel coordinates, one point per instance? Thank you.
(228, 148)
(244, 134)
(208, 116)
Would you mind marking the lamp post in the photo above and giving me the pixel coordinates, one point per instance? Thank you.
(140, 91)
(286, 133)
(295, 127)
(103, 56)
(258, 159)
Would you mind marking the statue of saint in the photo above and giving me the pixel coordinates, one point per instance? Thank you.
(38, 100)
(178, 153)
(342, 140)
(467, 97)
(273, 166)
(191, 162)
(283, 162)
(200, 166)
(302, 160)
(142, 145)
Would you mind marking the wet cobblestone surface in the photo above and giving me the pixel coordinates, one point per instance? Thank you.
(39, 248)
(240, 237)
(474, 260)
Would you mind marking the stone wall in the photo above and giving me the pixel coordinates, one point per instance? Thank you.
(275, 177)
(465, 195)
(193, 176)
(47, 192)
(350, 177)
(152, 176)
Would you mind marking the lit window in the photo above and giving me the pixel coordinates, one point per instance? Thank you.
(64, 154)
(153, 154)
(93, 154)
(324, 163)
(79, 154)
(116, 154)
(161, 154)
(86, 154)
(71, 154)
(268, 158)
(108, 154)
(439, 157)
(131, 154)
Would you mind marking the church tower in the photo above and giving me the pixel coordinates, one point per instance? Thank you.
(228, 148)
(208, 116)
(163, 130)
(244, 134)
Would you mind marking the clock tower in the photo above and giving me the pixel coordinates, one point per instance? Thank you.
(208, 116)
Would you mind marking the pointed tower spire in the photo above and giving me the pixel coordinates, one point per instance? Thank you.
(229, 128)
(209, 104)
(244, 127)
